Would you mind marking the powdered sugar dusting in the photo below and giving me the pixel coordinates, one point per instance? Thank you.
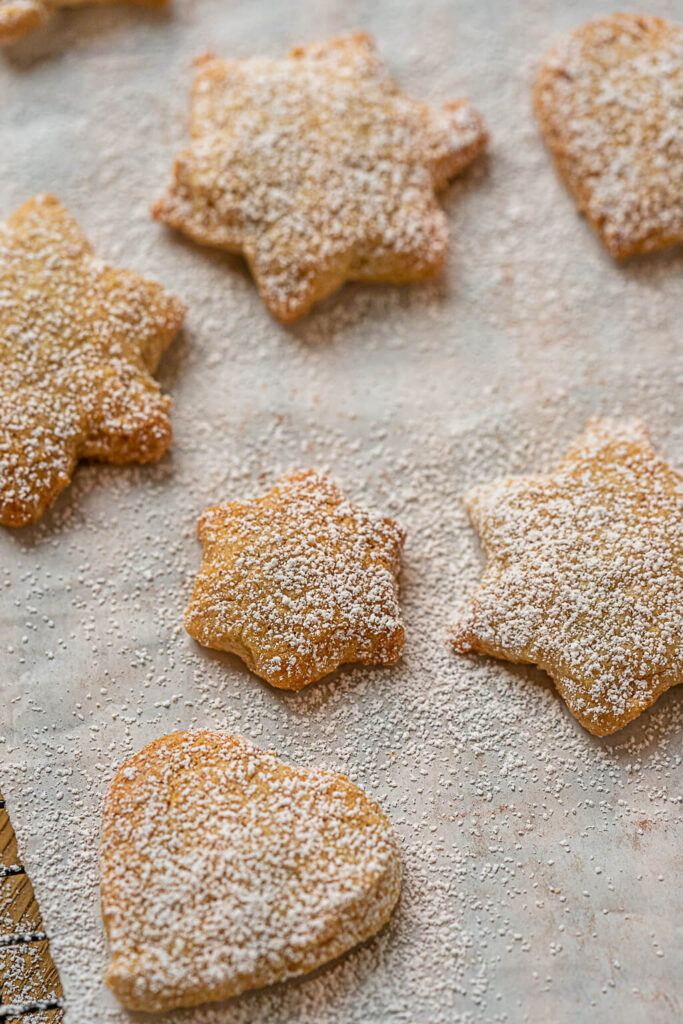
(77, 342)
(319, 170)
(584, 574)
(224, 870)
(540, 864)
(609, 99)
(298, 582)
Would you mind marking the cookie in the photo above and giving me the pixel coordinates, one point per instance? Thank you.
(608, 100)
(318, 170)
(584, 574)
(222, 870)
(18, 18)
(298, 582)
(78, 343)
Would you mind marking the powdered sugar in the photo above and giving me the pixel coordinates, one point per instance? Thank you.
(585, 573)
(609, 99)
(298, 582)
(77, 341)
(224, 870)
(319, 170)
(406, 397)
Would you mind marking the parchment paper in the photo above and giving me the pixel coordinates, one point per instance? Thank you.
(541, 865)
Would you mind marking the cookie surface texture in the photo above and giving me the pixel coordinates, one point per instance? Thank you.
(318, 170)
(584, 574)
(78, 343)
(608, 100)
(18, 18)
(298, 582)
(222, 870)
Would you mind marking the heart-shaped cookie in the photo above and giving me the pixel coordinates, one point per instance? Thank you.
(222, 870)
(608, 99)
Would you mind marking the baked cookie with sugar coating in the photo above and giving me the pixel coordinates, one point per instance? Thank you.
(79, 341)
(18, 18)
(608, 100)
(298, 582)
(318, 170)
(584, 574)
(223, 870)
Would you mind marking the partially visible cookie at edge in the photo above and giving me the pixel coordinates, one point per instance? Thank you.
(223, 869)
(79, 341)
(608, 99)
(18, 18)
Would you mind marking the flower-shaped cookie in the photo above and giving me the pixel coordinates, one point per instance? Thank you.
(222, 869)
(78, 343)
(608, 100)
(298, 582)
(319, 170)
(584, 574)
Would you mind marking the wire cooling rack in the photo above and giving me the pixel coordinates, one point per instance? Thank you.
(30, 989)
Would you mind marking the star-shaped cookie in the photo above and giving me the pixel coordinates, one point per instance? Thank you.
(18, 18)
(222, 870)
(608, 100)
(298, 582)
(584, 574)
(78, 343)
(318, 170)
